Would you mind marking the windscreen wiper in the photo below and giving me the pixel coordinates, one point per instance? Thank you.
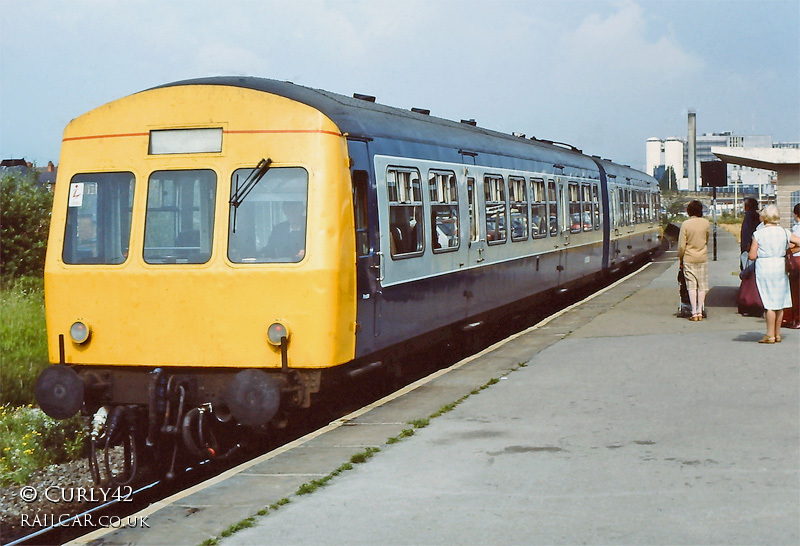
(250, 182)
(241, 192)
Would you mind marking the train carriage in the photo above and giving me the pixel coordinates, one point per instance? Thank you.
(221, 244)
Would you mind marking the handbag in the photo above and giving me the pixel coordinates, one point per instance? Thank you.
(748, 294)
(791, 265)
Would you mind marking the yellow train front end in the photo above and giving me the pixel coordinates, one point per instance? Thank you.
(199, 231)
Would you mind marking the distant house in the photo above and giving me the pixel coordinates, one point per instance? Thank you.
(15, 164)
(45, 176)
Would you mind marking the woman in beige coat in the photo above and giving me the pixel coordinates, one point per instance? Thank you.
(693, 253)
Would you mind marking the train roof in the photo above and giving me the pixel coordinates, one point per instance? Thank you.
(358, 117)
(624, 172)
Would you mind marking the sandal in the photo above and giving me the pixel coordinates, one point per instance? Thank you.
(767, 339)
(778, 339)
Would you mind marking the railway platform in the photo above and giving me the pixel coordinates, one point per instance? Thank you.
(612, 422)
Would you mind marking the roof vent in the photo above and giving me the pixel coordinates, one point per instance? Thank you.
(518, 135)
(368, 98)
(423, 111)
(469, 122)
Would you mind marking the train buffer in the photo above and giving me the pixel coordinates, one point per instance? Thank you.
(612, 422)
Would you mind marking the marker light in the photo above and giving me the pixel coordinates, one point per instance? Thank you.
(275, 332)
(79, 332)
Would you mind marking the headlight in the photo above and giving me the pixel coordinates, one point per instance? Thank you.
(79, 332)
(276, 331)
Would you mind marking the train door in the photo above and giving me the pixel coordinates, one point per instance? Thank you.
(477, 242)
(556, 223)
(368, 259)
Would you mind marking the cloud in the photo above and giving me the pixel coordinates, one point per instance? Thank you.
(618, 45)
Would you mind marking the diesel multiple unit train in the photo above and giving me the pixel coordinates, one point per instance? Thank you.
(223, 248)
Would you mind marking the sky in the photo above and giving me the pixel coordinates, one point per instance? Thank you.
(602, 75)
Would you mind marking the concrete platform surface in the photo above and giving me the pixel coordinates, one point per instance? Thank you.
(625, 425)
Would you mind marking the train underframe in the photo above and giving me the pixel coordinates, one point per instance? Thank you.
(153, 421)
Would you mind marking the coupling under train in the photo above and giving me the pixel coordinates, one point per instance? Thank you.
(222, 249)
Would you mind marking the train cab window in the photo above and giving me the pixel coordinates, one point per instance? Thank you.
(406, 224)
(444, 210)
(495, 201)
(552, 207)
(575, 219)
(269, 225)
(518, 205)
(596, 220)
(179, 221)
(538, 209)
(587, 221)
(99, 218)
(360, 189)
(473, 220)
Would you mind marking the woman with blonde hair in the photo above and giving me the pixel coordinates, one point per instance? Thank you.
(768, 249)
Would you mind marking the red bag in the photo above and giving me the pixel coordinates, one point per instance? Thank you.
(748, 294)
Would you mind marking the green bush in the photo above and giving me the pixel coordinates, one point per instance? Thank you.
(30, 440)
(24, 223)
(23, 341)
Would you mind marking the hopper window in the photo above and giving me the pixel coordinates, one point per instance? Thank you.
(518, 205)
(538, 209)
(495, 201)
(444, 210)
(406, 226)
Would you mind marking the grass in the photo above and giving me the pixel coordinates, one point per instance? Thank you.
(23, 341)
(30, 440)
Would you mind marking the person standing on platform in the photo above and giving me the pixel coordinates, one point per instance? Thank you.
(749, 225)
(768, 249)
(693, 253)
(791, 317)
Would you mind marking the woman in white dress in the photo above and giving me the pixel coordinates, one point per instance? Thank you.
(769, 250)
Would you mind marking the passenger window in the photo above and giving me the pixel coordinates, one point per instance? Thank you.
(99, 218)
(586, 204)
(444, 210)
(360, 184)
(179, 222)
(495, 201)
(574, 208)
(405, 212)
(552, 208)
(538, 209)
(518, 204)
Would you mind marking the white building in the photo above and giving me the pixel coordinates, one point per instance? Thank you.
(673, 152)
